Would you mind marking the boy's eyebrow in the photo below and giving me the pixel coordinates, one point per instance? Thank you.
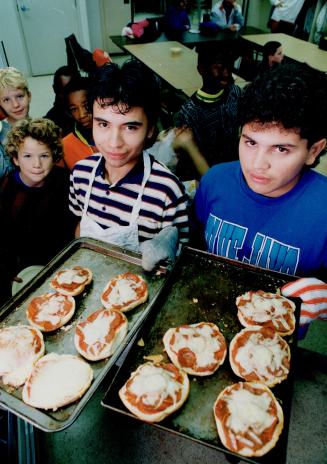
(275, 145)
(246, 136)
(128, 123)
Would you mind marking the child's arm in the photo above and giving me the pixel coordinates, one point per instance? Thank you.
(78, 230)
(184, 140)
(313, 293)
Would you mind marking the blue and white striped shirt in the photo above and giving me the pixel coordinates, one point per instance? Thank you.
(164, 202)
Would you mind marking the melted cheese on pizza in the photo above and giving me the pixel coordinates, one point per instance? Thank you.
(71, 281)
(261, 355)
(197, 348)
(122, 292)
(267, 308)
(98, 330)
(50, 311)
(155, 390)
(57, 380)
(249, 411)
(249, 419)
(70, 276)
(154, 384)
(98, 336)
(20, 347)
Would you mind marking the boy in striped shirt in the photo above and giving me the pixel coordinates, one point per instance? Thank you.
(122, 195)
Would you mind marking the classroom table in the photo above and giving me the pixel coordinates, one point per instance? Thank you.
(293, 48)
(177, 70)
(190, 39)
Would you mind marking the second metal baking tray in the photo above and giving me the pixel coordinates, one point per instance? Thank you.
(105, 262)
(204, 287)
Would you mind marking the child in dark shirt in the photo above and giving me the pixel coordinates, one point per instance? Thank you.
(35, 219)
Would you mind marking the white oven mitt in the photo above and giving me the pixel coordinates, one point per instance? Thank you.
(162, 247)
(313, 293)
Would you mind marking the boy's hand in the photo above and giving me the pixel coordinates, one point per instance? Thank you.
(162, 247)
(313, 293)
(183, 138)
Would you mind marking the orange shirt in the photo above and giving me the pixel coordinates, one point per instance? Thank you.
(76, 149)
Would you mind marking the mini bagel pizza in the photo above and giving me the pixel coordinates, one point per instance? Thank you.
(20, 347)
(249, 419)
(57, 380)
(124, 292)
(198, 349)
(259, 354)
(268, 310)
(50, 311)
(155, 390)
(100, 334)
(71, 281)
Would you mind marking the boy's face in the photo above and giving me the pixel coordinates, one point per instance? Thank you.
(215, 76)
(272, 157)
(120, 138)
(77, 104)
(34, 161)
(15, 103)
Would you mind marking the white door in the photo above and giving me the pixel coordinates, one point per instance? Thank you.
(45, 25)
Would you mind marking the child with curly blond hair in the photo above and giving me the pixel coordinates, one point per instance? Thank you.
(35, 219)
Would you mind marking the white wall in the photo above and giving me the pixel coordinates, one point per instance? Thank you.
(11, 35)
(258, 14)
(115, 14)
(94, 22)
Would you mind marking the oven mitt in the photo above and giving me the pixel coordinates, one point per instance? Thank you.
(162, 247)
(313, 293)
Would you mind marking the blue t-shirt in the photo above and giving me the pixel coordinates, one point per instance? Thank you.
(285, 234)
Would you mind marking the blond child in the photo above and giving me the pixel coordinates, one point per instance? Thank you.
(15, 99)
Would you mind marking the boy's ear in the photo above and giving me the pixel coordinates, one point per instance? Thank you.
(150, 132)
(315, 150)
(15, 160)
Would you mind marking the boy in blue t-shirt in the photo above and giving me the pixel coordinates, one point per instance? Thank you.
(268, 209)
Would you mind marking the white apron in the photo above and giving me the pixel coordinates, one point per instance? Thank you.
(123, 236)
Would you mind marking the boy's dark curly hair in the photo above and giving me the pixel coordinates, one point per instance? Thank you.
(293, 96)
(127, 86)
(41, 129)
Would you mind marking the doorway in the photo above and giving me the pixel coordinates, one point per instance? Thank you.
(45, 25)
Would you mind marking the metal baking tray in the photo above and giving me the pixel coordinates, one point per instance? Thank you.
(203, 287)
(105, 261)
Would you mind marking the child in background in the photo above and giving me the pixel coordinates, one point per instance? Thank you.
(272, 56)
(58, 113)
(211, 114)
(79, 143)
(228, 15)
(176, 19)
(268, 209)
(15, 99)
(34, 215)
